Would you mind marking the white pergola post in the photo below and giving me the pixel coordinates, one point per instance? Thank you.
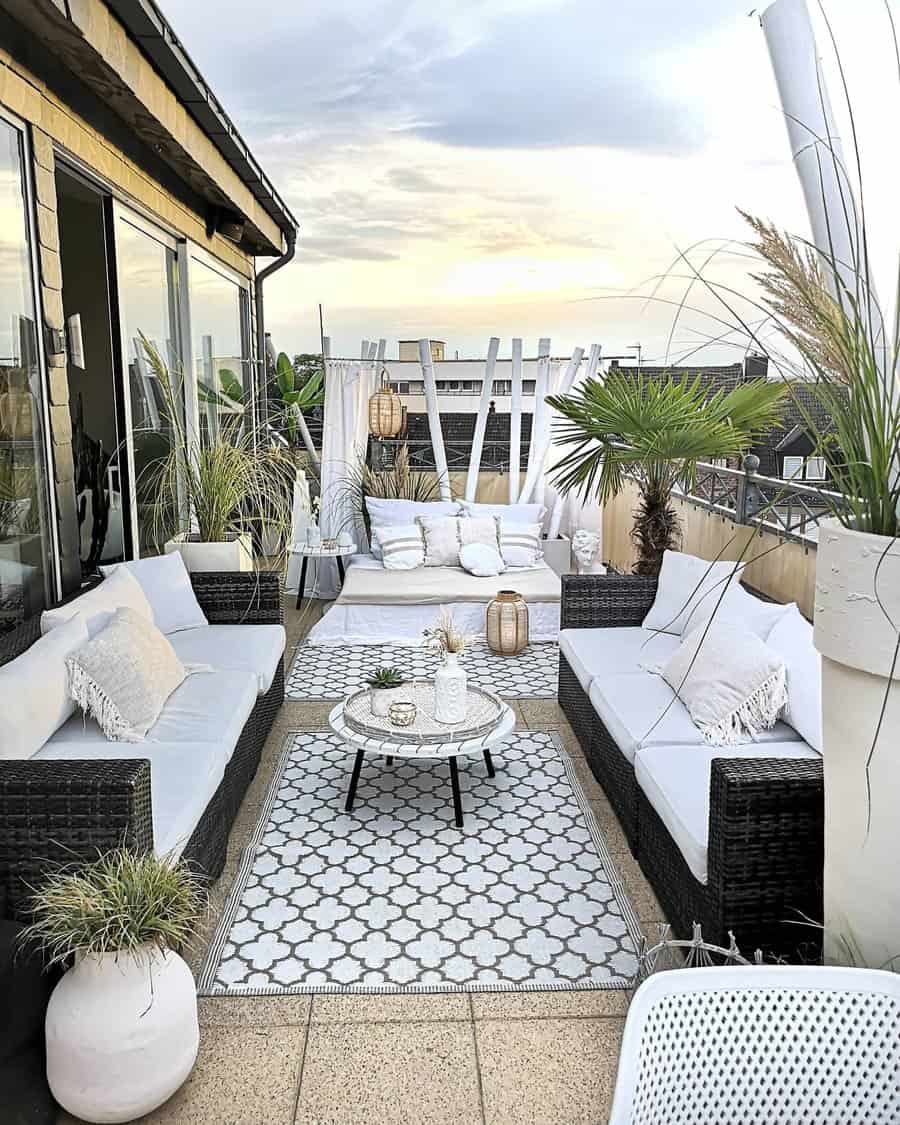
(434, 419)
(538, 420)
(481, 419)
(566, 384)
(515, 421)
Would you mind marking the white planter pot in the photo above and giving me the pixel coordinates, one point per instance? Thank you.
(380, 699)
(450, 691)
(234, 554)
(856, 571)
(122, 1034)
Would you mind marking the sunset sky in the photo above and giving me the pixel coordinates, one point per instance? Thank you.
(500, 166)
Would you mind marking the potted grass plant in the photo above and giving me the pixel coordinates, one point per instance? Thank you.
(121, 1025)
(210, 495)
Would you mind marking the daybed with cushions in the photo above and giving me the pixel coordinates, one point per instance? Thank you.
(178, 790)
(729, 836)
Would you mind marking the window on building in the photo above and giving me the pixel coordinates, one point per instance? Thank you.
(401, 387)
(502, 387)
(792, 468)
(528, 386)
(815, 468)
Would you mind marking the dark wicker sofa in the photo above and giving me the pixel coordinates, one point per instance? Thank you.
(766, 825)
(59, 812)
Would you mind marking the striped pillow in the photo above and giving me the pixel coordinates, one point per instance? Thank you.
(520, 543)
(401, 546)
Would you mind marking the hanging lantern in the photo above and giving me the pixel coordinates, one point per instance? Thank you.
(385, 412)
(506, 623)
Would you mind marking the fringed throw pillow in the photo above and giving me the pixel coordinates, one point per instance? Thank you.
(401, 547)
(124, 676)
(731, 682)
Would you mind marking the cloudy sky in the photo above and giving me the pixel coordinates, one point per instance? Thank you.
(498, 166)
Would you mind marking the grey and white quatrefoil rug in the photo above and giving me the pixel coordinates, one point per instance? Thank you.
(394, 898)
(336, 671)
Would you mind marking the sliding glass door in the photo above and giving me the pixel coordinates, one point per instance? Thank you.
(26, 547)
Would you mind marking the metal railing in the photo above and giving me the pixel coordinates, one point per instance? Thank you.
(787, 508)
(494, 454)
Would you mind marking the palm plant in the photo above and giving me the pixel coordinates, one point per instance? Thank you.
(654, 431)
(296, 396)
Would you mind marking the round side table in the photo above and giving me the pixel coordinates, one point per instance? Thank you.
(307, 552)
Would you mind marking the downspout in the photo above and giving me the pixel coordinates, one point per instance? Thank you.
(273, 267)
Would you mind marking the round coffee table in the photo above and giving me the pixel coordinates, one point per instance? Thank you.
(431, 747)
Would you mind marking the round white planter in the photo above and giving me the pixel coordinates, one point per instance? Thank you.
(856, 620)
(122, 1034)
(233, 554)
(380, 699)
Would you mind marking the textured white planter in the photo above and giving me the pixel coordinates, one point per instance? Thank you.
(122, 1034)
(380, 699)
(450, 691)
(235, 554)
(855, 572)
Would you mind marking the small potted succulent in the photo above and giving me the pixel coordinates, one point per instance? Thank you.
(384, 684)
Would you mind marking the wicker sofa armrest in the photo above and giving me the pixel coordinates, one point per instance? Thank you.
(59, 812)
(766, 834)
(604, 601)
(240, 597)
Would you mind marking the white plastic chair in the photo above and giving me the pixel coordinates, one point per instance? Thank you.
(767, 1045)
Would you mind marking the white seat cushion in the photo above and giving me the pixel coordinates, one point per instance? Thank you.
(183, 778)
(675, 780)
(610, 652)
(639, 709)
(242, 648)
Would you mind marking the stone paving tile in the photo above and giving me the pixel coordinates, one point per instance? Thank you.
(542, 712)
(548, 1072)
(254, 1011)
(550, 1005)
(390, 1008)
(389, 1074)
(639, 890)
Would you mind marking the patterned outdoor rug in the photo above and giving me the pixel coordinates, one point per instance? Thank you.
(394, 898)
(333, 672)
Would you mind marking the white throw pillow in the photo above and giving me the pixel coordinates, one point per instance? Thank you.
(685, 583)
(34, 691)
(481, 560)
(733, 685)
(520, 543)
(740, 608)
(167, 587)
(792, 639)
(388, 513)
(98, 605)
(124, 676)
(509, 513)
(445, 535)
(401, 547)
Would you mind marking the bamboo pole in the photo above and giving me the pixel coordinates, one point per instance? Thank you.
(481, 419)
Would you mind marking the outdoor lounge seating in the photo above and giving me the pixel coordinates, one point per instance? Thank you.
(179, 791)
(730, 837)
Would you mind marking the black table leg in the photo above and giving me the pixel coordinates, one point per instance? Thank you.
(340, 563)
(489, 762)
(302, 585)
(354, 781)
(457, 800)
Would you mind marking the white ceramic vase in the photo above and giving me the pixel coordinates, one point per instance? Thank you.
(230, 555)
(450, 690)
(856, 619)
(122, 1034)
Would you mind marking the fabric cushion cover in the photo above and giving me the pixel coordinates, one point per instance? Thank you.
(741, 609)
(612, 652)
(399, 546)
(124, 675)
(255, 649)
(686, 582)
(34, 690)
(510, 513)
(676, 779)
(385, 513)
(444, 536)
(481, 560)
(520, 543)
(167, 587)
(792, 639)
(98, 604)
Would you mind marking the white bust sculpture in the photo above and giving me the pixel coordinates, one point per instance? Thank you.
(586, 549)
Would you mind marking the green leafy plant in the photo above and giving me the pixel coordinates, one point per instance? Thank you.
(399, 482)
(117, 904)
(654, 431)
(386, 677)
(299, 389)
(216, 487)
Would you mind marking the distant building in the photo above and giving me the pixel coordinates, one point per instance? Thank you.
(409, 350)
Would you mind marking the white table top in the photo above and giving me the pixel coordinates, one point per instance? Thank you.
(370, 744)
(320, 552)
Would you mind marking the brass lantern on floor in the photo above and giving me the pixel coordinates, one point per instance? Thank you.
(506, 623)
(385, 411)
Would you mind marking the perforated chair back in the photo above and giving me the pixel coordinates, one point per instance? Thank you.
(767, 1045)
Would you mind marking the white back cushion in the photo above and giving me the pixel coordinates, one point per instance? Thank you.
(34, 691)
(792, 639)
(444, 536)
(510, 513)
(686, 583)
(399, 546)
(520, 543)
(385, 513)
(167, 587)
(97, 606)
(740, 608)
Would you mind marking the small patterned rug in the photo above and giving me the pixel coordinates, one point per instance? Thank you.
(394, 898)
(335, 671)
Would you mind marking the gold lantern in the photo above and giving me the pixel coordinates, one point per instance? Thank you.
(385, 412)
(506, 623)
